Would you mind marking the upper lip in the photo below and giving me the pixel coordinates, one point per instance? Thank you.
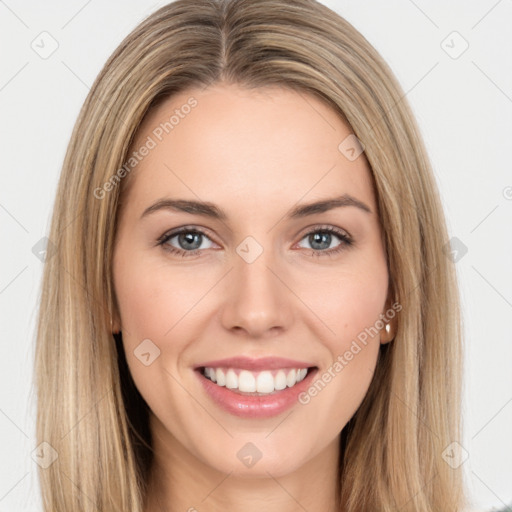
(247, 363)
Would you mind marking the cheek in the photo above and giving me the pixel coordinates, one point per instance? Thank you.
(348, 302)
(154, 307)
(151, 300)
(161, 305)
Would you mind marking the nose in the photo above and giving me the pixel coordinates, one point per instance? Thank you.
(258, 301)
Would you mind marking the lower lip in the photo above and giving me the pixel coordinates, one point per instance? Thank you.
(253, 406)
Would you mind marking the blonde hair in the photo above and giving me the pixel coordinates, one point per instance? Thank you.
(89, 410)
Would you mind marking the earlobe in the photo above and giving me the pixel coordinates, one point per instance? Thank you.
(115, 324)
(115, 327)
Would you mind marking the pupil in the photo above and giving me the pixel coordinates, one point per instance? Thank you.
(317, 239)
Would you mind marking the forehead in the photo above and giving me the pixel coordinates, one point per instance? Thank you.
(228, 142)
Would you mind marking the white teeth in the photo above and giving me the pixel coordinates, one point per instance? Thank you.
(221, 378)
(291, 378)
(246, 382)
(264, 382)
(280, 380)
(231, 379)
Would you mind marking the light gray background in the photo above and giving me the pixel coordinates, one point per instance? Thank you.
(464, 108)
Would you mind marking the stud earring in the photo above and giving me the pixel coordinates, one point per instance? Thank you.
(388, 334)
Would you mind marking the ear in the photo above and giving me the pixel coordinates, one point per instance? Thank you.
(114, 321)
(388, 332)
(116, 326)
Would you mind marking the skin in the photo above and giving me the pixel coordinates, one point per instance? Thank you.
(256, 154)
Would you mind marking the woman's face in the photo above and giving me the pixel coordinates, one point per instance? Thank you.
(257, 286)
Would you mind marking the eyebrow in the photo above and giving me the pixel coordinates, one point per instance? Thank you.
(211, 210)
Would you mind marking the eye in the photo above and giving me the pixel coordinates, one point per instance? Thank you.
(185, 241)
(321, 239)
(188, 241)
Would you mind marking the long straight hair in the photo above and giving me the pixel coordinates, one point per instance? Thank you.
(89, 410)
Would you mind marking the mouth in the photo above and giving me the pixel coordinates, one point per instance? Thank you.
(255, 383)
(255, 388)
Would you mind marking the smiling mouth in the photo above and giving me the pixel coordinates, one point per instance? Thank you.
(255, 383)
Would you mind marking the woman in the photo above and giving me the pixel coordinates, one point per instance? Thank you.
(250, 306)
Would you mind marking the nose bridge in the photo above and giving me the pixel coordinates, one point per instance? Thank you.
(256, 299)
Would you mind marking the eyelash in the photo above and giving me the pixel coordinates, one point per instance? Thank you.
(346, 241)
